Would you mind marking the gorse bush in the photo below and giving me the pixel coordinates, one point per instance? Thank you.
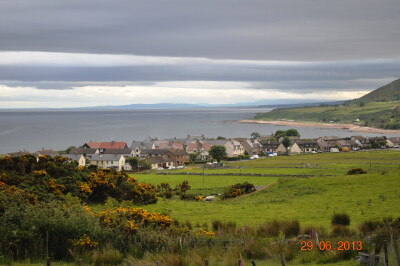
(238, 189)
(356, 171)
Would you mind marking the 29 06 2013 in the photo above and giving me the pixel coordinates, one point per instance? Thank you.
(328, 245)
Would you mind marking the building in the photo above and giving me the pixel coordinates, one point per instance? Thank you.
(105, 145)
(108, 161)
(393, 142)
(160, 162)
(147, 153)
(307, 145)
(178, 157)
(200, 147)
(77, 158)
(84, 151)
(253, 147)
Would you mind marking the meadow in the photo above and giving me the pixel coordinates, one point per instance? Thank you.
(310, 200)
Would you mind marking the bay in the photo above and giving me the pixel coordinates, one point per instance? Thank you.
(34, 130)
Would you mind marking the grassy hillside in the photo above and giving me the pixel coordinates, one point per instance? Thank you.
(389, 92)
(373, 114)
(380, 108)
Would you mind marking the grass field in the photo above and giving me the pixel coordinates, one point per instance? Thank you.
(312, 200)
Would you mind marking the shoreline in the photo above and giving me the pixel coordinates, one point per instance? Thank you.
(349, 127)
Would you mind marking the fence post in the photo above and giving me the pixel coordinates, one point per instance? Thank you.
(253, 263)
(206, 262)
(80, 262)
(394, 243)
(158, 263)
(48, 261)
(283, 260)
(128, 263)
(386, 253)
(239, 262)
(373, 255)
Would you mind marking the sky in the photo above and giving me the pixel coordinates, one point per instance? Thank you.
(93, 53)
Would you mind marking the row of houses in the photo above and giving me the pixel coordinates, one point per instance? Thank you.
(175, 152)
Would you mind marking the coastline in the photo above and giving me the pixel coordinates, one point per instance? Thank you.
(349, 127)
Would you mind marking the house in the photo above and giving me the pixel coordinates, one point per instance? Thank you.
(49, 153)
(124, 152)
(105, 145)
(346, 143)
(171, 146)
(270, 145)
(18, 153)
(295, 148)
(360, 140)
(233, 147)
(147, 153)
(84, 151)
(307, 145)
(253, 147)
(178, 157)
(108, 161)
(200, 147)
(326, 143)
(160, 162)
(80, 158)
(281, 149)
(393, 142)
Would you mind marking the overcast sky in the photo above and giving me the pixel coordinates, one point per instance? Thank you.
(95, 52)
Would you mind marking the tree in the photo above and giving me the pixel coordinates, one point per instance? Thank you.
(134, 162)
(286, 142)
(255, 135)
(292, 132)
(220, 137)
(144, 164)
(218, 152)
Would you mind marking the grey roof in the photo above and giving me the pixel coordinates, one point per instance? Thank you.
(153, 151)
(179, 152)
(82, 151)
(105, 157)
(159, 159)
(18, 153)
(118, 151)
(218, 141)
(74, 157)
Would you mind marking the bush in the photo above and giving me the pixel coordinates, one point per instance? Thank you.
(238, 189)
(369, 226)
(356, 171)
(291, 228)
(340, 219)
(270, 228)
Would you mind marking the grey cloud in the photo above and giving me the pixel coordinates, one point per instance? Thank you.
(260, 29)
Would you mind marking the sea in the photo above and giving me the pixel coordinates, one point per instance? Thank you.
(33, 130)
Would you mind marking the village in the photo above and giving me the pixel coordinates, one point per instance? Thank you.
(175, 153)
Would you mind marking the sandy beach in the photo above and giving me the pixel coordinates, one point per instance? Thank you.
(349, 127)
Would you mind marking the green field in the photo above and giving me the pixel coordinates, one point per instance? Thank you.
(375, 114)
(310, 200)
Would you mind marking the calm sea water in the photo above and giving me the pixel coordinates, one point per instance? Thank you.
(34, 130)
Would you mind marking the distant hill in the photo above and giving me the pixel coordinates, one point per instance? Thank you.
(379, 108)
(389, 92)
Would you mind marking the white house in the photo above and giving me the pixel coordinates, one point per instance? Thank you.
(108, 161)
(76, 157)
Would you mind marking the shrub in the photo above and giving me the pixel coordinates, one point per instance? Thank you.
(238, 189)
(356, 171)
(291, 228)
(340, 219)
(270, 228)
(369, 226)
